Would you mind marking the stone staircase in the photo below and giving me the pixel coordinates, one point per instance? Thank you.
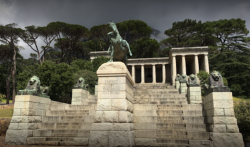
(65, 124)
(162, 117)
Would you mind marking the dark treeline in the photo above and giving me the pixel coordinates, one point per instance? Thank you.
(65, 53)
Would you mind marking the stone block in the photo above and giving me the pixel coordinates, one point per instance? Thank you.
(201, 143)
(218, 105)
(121, 138)
(17, 137)
(145, 142)
(109, 87)
(41, 133)
(125, 117)
(227, 139)
(45, 101)
(112, 127)
(111, 80)
(35, 140)
(81, 141)
(27, 98)
(99, 139)
(26, 119)
(104, 104)
(145, 134)
(145, 126)
(23, 126)
(17, 112)
(24, 105)
(232, 128)
(101, 127)
(218, 128)
(221, 120)
(218, 96)
(110, 116)
(119, 104)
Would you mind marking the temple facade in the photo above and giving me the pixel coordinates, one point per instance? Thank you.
(183, 60)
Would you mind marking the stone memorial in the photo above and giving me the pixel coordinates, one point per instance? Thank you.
(79, 92)
(219, 112)
(114, 111)
(194, 90)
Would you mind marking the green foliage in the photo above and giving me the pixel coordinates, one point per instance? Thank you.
(203, 76)
(144, 48)
(90, 78)
(80, 64)
(242, 114)
(97, 62)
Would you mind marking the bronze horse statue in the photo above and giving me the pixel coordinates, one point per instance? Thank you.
(118, 46)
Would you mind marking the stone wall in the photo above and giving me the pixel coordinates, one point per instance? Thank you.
(221, 121)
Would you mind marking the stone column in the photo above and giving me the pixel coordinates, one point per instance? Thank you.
(196, 64)
(133, 72)
(221, 121)
(113, 124)
(173, 69)
(26, 119)
(163, 73)
(183, 65)
(206, 63)
(154, 74)
(142, 74)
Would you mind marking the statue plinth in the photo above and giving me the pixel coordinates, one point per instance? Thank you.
(114, 119)
(194, 94)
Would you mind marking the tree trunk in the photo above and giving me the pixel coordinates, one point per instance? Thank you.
(14, 76)
(8, 88)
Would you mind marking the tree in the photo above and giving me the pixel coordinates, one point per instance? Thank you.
(133, 30)
(9, 35)
(81, 65)
(145, 48)
(68, 38)
(242, 114)
(97, 62)
(99, 35)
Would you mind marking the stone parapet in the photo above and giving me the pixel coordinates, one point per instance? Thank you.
(221, 121)
(114, 111)
(27, 116)
(194, 95)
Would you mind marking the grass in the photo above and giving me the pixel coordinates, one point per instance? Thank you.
(238, 100)
(4, 101)
(6, 113)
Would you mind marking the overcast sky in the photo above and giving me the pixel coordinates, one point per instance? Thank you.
(158, 14)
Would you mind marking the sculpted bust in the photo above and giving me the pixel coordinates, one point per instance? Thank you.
(192, 81)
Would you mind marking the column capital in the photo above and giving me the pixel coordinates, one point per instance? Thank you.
(173, 55)
(153, 64)
(133, 65)
(205, 54)
(163, 64)
(183, 55)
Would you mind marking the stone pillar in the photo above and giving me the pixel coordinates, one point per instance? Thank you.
(173, 69)
(78, 96)
(27, 117)
(113, 124)
(183, 65)
(154, 74)
(183, 88)
(221, 121)
(194, 95)
(142, 74)
(133, 72)
(196, 64)
(163, 74)
(206, 63)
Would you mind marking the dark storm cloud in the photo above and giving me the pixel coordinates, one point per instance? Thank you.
(158, 14)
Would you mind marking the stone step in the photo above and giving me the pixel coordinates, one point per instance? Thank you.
(67, 112)
(73, 107)
(172, 134)
(162, 99)
(167, 107)
(167, 112)
(66, 141)
(68, 119)
(52, 125)
(163, 102)
(168, 126)
(169, 119)
(143, 95)
(57, 133)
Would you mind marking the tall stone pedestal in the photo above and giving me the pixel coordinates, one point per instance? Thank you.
(27, 116)
(177, 85)
(194, 95)
(78, 96)
(113, 125)
(183, 88)
(221, 120)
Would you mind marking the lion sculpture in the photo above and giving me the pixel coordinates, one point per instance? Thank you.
(33, 88)
(215, 83)
(183, 78)
(192, 81)
(178, 77)
(81, 84)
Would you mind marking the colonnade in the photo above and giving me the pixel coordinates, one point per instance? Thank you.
(183, 65)
(153, 73)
